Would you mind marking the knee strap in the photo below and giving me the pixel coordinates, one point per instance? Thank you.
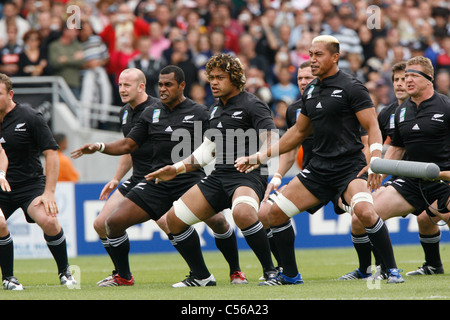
(247, 200)
(184, 213)
(286, 205)
(361, 197)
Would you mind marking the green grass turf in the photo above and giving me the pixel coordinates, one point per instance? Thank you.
(154, 274)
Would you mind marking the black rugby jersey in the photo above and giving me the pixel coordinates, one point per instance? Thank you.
(24, 135)
(292, 113)
(331, 105)
(424, 131)
(141, 157)
(386, 121)
(174, 134)
(235, 127)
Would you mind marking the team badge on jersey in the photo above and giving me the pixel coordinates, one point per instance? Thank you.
(402, 114)
(392, 121)
(125, 116)
(156, 114)
(309, 93)
(213, 112)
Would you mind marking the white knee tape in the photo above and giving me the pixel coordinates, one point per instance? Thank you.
(361, 197)
(184, 213)
(286, 205)
(247, 200)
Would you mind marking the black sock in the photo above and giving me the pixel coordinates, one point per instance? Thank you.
(379, 237)
(363, 249)
(120, 248)
(7, 256)
(107, 247)
(188, 245)
(227, 244)
(273, 247)
(57, 246)
(430, 245)
(256, 238)
(284, 238)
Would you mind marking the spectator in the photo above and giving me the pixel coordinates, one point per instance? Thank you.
(159, 41)
(66, 59)
(32, 60)
(443, 59)
(442, 82)
(95, 85)
(300, 53)
(67, 171)
(229, 23)
(181, 57)
(247, 46)
(396, 20)
(316, 21)
(279, 117)
(122, 55)
(257, 85)
(148, 65)
(380, 62)
(198, 93)
(11, 15)
(231, 39)
(355, 64)
(283, 60)
(101, 17)
(348, 39)
(284, 35)
(298, 29)
(9, 54)
(164, 18)
(49, 32)
(284, 89)
(366, 40)
(123, 22)
(440, 15)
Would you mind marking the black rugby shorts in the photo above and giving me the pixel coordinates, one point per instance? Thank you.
(328, 179)
(157, 199)
(21, 197)
(218, 188)
(420, 193)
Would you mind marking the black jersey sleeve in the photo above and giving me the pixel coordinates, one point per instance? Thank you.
(139, 132)
(41, 133)
(359, 97)
(397, 140)
(261, 116)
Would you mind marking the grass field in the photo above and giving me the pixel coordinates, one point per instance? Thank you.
(154, 274)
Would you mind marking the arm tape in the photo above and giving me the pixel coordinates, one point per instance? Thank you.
(204, 153)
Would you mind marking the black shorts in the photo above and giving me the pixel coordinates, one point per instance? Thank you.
(21, 197)
(157, 199)
(218, 188)
(422, 193)
(327, 179)
(129, 184)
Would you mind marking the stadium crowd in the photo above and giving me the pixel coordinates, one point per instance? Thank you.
(271, 38)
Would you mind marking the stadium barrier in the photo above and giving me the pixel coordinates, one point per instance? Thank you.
(79, 206)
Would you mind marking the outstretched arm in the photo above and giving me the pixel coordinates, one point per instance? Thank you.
(115, 148)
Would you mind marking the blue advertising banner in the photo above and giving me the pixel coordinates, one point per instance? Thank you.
(323, 229)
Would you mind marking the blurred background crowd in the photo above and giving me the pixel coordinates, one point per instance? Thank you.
(89, 43)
